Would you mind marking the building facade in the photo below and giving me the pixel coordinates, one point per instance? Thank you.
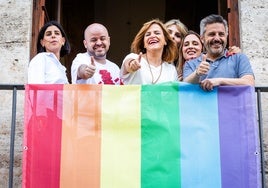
(15, 48)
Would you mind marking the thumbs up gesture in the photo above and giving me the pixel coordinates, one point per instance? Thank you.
(203, 67)
(87, 71)
(133, 64)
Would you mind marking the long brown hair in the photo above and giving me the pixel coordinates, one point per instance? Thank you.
(181, 60)
(170, 51)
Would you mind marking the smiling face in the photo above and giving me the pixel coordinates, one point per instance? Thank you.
(154, 38)
(53, 40)
(215, 39)
(97, 41)
(192, 47)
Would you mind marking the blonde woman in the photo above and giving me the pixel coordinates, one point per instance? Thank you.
(177, 30)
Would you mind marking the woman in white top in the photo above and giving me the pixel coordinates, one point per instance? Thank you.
(151, 57)
(45, 67)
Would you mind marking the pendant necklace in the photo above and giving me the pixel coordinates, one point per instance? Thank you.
(153, 81)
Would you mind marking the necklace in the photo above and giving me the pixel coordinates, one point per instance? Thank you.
(154, 81)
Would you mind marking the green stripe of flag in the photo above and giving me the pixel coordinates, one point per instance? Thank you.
(160, 137)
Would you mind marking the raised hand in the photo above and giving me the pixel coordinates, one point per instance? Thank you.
(87, 71)
(203, 67)
(134, 64)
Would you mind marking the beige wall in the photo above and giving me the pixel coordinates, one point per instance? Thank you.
(254, 39)
(15, 28)
(15, 33)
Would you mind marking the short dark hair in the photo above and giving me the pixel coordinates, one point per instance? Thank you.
(213, 18)
(65, 49)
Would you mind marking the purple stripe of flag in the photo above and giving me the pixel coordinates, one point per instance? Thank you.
(238, 133)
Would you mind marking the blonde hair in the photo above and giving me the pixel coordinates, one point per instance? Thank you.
(170, 52)
(180, 26)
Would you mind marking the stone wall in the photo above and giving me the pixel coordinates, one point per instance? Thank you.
(15, 28)
(254, 36)
(254, 40)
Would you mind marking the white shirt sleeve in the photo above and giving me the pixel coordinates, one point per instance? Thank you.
(45, 68)
(36, 70)
(81, 58)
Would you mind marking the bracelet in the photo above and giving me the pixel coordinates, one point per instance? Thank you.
(196, 73)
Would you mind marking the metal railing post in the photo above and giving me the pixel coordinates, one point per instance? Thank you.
(13, 127)
(258, 90)
(12, 137)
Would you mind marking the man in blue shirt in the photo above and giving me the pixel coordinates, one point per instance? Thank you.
(216, 67)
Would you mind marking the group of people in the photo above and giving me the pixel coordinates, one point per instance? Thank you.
(160, 52)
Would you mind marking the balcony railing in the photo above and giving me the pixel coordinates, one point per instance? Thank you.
(15, 88)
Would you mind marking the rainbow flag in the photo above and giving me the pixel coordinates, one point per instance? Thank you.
(172, 135)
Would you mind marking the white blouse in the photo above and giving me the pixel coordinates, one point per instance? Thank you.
(149, 74)
(45, 68)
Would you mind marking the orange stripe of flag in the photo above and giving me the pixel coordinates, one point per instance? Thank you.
(80, 152)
